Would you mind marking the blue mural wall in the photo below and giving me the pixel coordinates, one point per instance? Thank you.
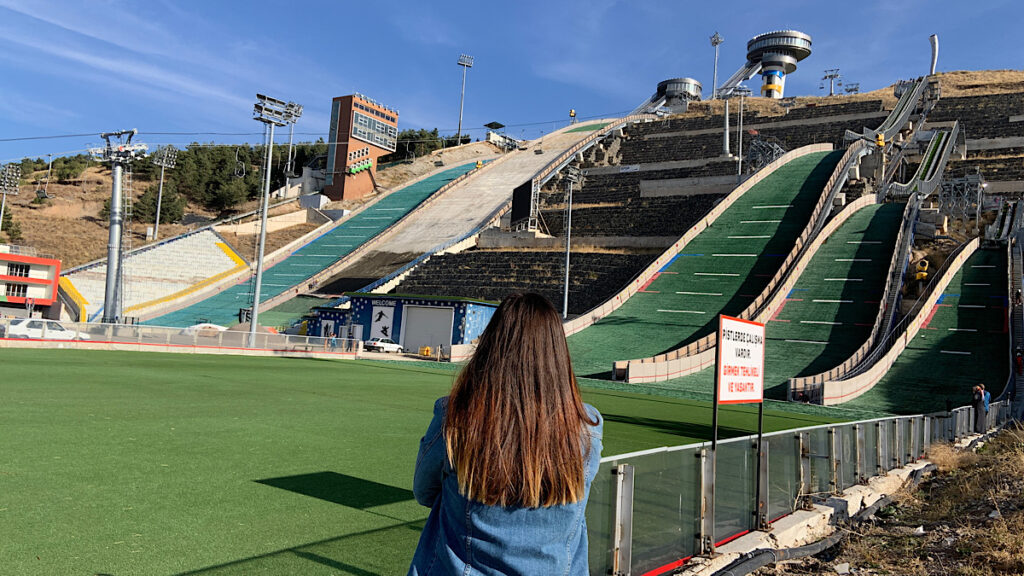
(381, 315)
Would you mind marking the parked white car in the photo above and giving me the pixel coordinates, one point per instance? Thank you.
(382, 345)
(35, 328)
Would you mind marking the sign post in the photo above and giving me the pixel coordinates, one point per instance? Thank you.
(739, 379)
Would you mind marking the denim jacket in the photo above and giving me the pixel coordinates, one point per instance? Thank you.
(467, 538)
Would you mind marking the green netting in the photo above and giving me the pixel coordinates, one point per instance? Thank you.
(721, 271)
(964, 342)
(318, 254)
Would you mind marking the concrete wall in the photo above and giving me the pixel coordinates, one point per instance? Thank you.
(275, 223)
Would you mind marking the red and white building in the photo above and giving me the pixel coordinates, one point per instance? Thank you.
(28, 282)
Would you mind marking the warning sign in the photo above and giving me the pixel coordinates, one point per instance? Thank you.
(740, 365)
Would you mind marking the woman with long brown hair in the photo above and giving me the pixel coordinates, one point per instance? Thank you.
(507, 462)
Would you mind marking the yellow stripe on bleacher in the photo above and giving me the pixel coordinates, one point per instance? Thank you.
(239, 266)
(75, 295)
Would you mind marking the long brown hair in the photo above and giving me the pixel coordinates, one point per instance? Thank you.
(515, 426)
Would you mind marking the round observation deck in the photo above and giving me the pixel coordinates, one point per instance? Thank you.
(687, 88)
(789, 42)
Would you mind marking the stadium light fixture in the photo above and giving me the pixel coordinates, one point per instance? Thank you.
(10, 178)
(716, 39)
(466, 62)
(271, 112)
(165, 157)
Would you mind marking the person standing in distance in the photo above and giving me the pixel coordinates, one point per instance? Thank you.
(508, 459)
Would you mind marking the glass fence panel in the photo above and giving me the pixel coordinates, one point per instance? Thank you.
(821, 465)
(601, 519)
(783, 474)
(735, 488)
(870, 465)
(666, 497)
(848, 456)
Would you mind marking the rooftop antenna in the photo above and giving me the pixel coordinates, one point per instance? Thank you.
(120, 152)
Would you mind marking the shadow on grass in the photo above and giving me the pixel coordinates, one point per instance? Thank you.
(340, 489)
(366, 553)
(690, 430)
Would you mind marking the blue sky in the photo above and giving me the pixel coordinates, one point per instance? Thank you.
(164, 66)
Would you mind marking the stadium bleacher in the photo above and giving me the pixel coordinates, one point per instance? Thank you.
(494, 274)
(158, 272)
(985, 116)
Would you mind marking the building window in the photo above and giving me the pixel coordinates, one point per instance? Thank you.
(17, 270)
(17, 290)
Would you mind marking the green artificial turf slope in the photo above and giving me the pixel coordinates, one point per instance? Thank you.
(965, 341)
(721, 271)
(147, 463)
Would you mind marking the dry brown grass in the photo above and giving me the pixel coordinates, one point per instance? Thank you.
(981, 82)
(971, 512)
(400, 173)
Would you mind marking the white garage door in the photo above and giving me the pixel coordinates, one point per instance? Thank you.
(426, 326)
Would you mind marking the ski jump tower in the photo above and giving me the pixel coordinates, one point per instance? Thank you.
(773, 54)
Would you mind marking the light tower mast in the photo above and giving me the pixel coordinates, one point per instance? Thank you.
(716, 39)
(120, 152)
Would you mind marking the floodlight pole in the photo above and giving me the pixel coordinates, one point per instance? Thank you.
(715, 41)
(254, 317)
(164, 159)
(159, 201)
(271, 112)
(10, 177)
(572, 175)
(466, 62)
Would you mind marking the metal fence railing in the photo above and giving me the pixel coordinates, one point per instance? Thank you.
(645, 513)
(161, 336)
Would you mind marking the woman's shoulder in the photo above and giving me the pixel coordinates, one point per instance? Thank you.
(441, 405)
(595, 415)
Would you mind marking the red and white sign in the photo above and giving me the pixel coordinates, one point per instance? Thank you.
(740, 364)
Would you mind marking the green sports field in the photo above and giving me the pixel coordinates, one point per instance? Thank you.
(146, 463)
